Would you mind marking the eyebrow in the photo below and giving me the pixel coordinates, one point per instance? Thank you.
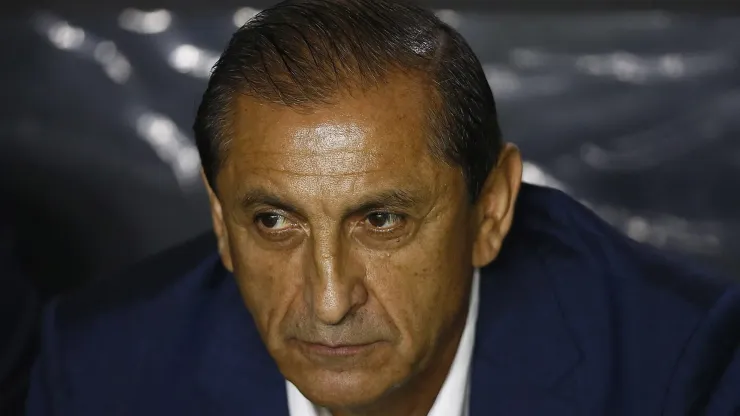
(393, 199)
(255, 197)
(390, 199)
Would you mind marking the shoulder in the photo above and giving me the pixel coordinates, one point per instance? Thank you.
(671, 324)
(170, 333)
(571, 237)
(145, 309)
(176, 274)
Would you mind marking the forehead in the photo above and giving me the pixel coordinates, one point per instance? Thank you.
(371, 138)
(393, 113)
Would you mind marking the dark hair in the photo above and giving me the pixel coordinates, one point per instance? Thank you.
(303, 53)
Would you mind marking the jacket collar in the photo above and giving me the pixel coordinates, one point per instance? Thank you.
(237, 373)
(525, 352)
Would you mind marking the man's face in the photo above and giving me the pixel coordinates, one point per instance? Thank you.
(350, 243)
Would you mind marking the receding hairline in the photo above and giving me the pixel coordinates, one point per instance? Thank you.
(354, 90)
(301, 53)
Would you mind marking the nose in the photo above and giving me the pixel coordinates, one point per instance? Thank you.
(336, 282)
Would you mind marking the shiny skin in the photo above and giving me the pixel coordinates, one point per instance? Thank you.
(353, 247)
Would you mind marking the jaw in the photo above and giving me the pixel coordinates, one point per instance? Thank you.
(344, 382)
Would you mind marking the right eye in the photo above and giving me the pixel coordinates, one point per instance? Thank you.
(272, 222)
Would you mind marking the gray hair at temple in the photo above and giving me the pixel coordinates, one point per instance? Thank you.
(306, 53)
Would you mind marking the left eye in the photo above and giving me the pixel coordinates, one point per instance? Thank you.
(383, 220)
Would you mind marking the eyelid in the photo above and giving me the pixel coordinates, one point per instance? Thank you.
(290, 218)
(291, 223)
(400, 219)
(385, 210)
(270, 211)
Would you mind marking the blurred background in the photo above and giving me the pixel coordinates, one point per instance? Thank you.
(635, 113)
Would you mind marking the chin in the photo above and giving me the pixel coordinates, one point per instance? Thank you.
(347, 389)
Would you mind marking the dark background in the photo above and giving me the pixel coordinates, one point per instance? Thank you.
(634, 112)
(637, 113)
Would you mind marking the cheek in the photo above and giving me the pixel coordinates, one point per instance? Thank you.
(422, 286)
(268, 281)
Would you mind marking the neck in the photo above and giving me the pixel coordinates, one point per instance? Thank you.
(417, 397)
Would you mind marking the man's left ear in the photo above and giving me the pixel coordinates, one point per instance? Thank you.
(494, 209)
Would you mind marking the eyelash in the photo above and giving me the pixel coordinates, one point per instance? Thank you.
(377, 230)
(400, 218)
(262, 215)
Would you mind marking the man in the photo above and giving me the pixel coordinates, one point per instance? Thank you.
(377, 254)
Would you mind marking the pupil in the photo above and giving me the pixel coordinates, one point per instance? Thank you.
(378, 220)
(270, 221)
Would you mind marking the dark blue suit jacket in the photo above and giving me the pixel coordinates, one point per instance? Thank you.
(575, 319)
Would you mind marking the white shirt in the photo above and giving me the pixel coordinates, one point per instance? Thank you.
(452, 399)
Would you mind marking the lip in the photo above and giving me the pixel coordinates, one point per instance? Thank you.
(340, 350)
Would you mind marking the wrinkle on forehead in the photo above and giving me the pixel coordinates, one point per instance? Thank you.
(400, 105)
(332, 137)
(325, 149)
(331, 148)
(295, 171)
(366, 141)
(336, 163)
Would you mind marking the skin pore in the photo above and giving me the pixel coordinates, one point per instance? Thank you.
(353, 247)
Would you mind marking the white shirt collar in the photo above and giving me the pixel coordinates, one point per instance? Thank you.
(452, 399)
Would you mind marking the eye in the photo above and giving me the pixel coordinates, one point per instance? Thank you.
(272, 221)
(384, 220)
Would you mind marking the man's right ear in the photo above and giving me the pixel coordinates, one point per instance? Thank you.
(219, 226)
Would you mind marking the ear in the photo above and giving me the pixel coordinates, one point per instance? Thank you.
(494, 210)
(219, 227)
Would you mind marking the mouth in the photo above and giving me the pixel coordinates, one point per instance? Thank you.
(320, 350)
